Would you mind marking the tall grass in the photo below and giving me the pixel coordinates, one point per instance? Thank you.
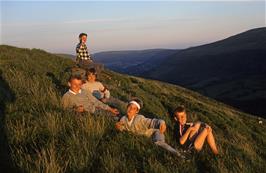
(42, 137)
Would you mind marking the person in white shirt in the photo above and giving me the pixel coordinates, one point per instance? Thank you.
(95, 87)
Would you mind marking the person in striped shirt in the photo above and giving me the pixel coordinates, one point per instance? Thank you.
(83, 58)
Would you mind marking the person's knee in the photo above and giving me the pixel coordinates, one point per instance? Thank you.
(197, 124)
(197, 147)
(158, 137)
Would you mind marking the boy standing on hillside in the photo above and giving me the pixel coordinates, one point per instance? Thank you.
(193, 135)
(81, 101)
(138, 124)
(83, 57)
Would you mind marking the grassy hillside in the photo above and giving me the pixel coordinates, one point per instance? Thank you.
(73, 57)
(38, 136)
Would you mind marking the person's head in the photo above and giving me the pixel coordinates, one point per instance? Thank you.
(82, 37)
(180, 115)
(91, 75)
(133, 107)
(75, 83)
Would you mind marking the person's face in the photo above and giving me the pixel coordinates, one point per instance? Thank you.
(91, 77)
(181, 117)
(75, 85)
(132, 110)
(84, 39)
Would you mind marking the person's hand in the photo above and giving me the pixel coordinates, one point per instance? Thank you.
(192, 128)
(162, 127)
(208, 128)
(104, 100)
(114, 111)
(119, 125)
(80, 108)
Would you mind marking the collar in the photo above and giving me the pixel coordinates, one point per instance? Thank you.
(131, 121)
(74, 92)
(181, 127)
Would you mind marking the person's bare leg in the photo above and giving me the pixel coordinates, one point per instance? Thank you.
(200, 140)
(211, 142)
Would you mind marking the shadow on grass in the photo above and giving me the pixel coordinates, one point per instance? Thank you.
(6, 96)
(59, 86)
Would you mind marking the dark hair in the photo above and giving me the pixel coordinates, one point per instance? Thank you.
(82, 34)
(91, 71)
(139, 101)
(74, 77)
(179, 109)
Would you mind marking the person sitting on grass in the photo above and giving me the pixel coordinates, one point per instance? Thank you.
(193, 135)
(95, 87)
(138, 124)
(82, 101)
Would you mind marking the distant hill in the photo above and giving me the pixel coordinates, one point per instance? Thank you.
(232, 70)
(73, 57)
(133, 62)
(36, 135)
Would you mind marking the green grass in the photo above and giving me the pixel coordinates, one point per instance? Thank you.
(38, 136)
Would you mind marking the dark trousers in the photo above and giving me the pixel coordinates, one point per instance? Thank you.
(85, 64)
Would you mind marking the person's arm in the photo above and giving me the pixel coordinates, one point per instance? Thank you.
(104, 90)
(97, 103)
(79, 48)
(101, 105)
(65, 102)
(78, 51)
(184, 138)
(154, 123)
(158, 123)
(120, 125)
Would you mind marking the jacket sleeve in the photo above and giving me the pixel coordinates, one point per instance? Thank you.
(65, 102)
(152, 123)
(96, 103)
(123, 121)
(78, 51)
(104, 90)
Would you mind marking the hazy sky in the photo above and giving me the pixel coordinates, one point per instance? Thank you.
(54, 26)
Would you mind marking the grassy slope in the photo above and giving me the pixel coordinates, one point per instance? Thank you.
(38, 136)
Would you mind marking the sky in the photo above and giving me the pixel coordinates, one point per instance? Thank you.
(121, 25)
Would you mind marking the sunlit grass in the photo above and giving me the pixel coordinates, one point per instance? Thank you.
(44, 138)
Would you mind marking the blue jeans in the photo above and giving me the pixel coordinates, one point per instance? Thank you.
(159, 139)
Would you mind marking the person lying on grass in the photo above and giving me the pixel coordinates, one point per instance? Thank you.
(193, 135)
(138, 124)
(95, 87)
(82, 101)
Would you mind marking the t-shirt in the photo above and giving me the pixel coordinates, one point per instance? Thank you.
(96, 86)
